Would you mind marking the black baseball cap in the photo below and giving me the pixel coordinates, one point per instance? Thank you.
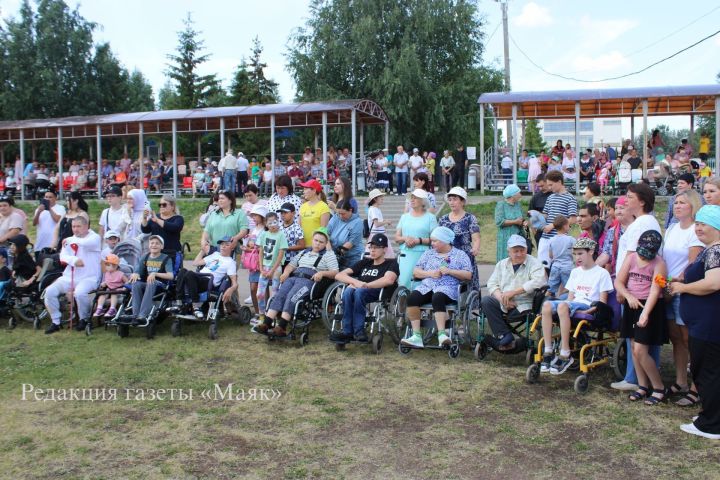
(287, 207)
(114, 190)
(379, 240)
(19, 240)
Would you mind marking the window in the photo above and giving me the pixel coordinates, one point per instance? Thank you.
(558, 126)
(611, 122)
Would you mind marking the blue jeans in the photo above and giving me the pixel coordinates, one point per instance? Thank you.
(402, 182)
(354, 301)
(229, 178)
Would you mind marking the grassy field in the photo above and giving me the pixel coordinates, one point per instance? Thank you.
(341, 414)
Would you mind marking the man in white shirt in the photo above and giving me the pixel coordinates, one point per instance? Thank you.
(506, 166)
(115, 217)
(229, 163)
(46, 218)
(81, 253)
(401, 168)
(242, 168)
(416, 163)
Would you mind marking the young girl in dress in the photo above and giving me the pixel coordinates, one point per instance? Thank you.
(251, 254)
(644, 314)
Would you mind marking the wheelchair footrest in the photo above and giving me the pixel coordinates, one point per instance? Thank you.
(521, 344)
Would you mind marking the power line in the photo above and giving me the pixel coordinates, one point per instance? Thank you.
(619, 76)
(496, 29)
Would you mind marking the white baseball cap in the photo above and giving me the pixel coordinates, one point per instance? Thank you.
(420, 193)
(458, 191)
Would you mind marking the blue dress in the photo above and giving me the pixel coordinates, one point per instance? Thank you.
(419, 227)
(464, 229)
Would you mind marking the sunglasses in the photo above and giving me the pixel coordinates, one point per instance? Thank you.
(163, 204)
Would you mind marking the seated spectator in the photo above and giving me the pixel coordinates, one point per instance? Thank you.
(153, 267)
(510, 289)
(441, 269)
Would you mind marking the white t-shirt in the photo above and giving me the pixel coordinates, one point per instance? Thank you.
(374, 213)
(675, 248)
(416, 162)
(46, 227)
(588, 284)
(219, 266)
(114, 220)
(447, 162)
(569, 163)
(506, 162)
(267, 176)
(629, 240)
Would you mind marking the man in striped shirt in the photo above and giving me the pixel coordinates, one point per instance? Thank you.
(560, 202)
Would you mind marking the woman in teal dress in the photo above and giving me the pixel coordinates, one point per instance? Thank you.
(413, 234)
(508, 218)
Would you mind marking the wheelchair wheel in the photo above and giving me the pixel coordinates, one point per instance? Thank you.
(405, 350)
(454, 351)
(533, 373)
(88, 328)
(150, 330)
(26, 313)
(471, 325)
(304, 339)
(245, 315)
(12, 323)
(377, 341)
(481, 350)
(123, 330)
(331, 304)
(619, 358)
(529, 356)
(581, 384)
(176, 329)
(213, 331)
(36, 323)
(394, 321)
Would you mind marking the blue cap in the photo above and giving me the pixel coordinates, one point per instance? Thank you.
(224, 239)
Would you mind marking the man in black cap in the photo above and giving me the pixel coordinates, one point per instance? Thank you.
(365, 279)
(293, 232)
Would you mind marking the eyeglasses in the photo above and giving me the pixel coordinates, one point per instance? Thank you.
(163, 204)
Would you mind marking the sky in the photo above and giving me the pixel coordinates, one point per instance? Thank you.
(588, 39)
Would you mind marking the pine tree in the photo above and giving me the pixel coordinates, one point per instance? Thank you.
(533, 139)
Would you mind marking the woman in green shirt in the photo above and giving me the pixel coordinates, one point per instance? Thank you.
(508, 218)
(226, 221)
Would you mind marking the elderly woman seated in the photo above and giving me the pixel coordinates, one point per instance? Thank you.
(441, 270)
(306, 268)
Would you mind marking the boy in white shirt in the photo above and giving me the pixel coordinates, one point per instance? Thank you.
(588, 283)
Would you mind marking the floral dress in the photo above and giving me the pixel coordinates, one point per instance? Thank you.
(505, 211)
(464, 229)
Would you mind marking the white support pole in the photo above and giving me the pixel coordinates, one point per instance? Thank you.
(361, 162)
(514, 142)
(645, 139)
(482, 149)
(272, 150)
(324, 144)
(60, 162)
(141, 156)
(353, 135)
(222, 137)
(387, 134)
(315, 140)
(22, 165)
(175, 165)
(717, 135)
(98, 140)
(577, 148)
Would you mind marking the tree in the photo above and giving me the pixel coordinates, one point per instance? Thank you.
(420, 59)
(191, 89)
(140, 94)
(264, 90)
(533, 139)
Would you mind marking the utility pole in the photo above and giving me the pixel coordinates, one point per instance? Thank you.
(506, 44)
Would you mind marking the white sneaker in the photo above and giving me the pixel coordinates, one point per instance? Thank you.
(254, 321)
(414, 341)
(691, 428)
(623, 386)
(248, 301)
(443, 339)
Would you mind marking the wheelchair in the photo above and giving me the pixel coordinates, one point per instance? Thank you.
(213, 308)
(305, 310)
(376, 313)
(520, 328)
(461, 315)
(594, 341)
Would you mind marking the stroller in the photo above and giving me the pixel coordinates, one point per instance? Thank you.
(665, 178)
(129, 251)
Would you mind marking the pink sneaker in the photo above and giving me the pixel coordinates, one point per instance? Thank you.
(99, 312)
(111, 313)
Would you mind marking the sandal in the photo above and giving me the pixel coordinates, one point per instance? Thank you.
(639, 394)
(652, 400)
(690, 399)
(676, 388)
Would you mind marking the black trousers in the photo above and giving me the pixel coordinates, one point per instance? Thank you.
(494, 315)
(242, 181)
(439, 300)
(191, 284)
(459, 176)
(705, 370)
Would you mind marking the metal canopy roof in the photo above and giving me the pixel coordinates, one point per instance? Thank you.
(610, 102)
(199, 120)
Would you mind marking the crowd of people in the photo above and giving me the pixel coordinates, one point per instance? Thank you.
(668, 285)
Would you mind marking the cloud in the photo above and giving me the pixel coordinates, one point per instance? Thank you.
(533, 15)
(717, 40)
(602, 63)
(601, 32)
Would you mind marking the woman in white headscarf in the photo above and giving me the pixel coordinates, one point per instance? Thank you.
(136, 205)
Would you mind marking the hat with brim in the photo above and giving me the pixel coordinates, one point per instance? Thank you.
(314, 184)
(375, 193)
(379, 240)
(458, 192)
(111, 234)
(261, 210)
(648, 244)
(322, 231)
(516, 241)
(225, 239)
(158, 238)
(112, 259)
(585, 243)
(420, 193)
